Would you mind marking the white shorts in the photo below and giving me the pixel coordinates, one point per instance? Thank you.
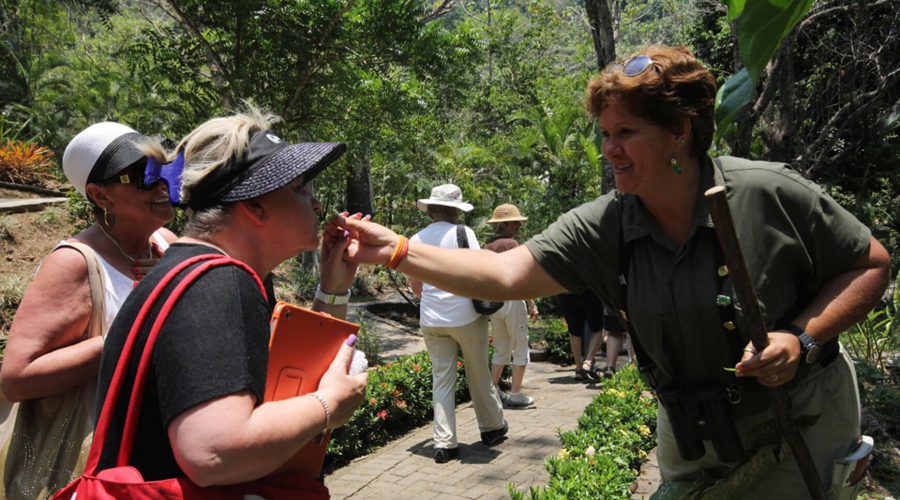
(509, 328)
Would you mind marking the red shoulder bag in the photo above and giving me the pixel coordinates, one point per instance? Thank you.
(124, 481)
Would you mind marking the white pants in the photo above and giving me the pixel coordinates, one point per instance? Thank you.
(509, 328)
(444, 344)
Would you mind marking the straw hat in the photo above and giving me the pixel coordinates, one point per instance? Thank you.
(447, 195)
(506, 212)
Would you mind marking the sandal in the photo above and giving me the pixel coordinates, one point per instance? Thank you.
(581, 374)
(594, 374)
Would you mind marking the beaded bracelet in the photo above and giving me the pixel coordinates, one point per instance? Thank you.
(324, 407)
(400, 252)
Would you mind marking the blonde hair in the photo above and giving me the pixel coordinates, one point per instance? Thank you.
(215, 142)
(152, 147)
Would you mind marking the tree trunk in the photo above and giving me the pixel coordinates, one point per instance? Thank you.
(601, 23)
(359, 184)
(778, 135)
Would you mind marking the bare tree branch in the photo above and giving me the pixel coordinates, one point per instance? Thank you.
(219, 71)
(313, 65)
(441, 10)
(861, 103)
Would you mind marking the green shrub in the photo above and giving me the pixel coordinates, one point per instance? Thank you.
(398, 398)
(603, 456)
(556, 336)
(12, 288)
(876, 336)
(367, 342)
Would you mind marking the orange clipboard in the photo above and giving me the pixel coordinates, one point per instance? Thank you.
(301, 347)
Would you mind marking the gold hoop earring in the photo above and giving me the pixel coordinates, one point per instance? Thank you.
(675, 166)
(108, 219)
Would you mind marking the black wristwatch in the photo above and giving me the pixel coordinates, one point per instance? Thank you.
(810, 350)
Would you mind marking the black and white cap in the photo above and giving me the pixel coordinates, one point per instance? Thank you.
(269, 163)
(99, 152)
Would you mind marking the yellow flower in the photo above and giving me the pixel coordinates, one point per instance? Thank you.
(563, 454)
(642, 453)
(644, 430)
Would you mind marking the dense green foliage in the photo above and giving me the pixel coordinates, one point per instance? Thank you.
(486, 95)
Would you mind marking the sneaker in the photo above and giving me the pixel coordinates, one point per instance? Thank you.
(518, 400)
(444, 455)
(504, 397)
(493, 437)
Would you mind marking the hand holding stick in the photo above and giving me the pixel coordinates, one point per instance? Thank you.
(758, 333)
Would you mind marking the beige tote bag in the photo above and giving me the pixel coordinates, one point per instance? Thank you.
(45, 441)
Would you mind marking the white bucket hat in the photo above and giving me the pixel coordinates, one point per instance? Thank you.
(447, 195)
(99, 152)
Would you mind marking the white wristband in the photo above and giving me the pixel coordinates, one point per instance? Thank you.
(332, 299)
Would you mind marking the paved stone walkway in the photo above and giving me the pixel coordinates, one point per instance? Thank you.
(405, 468)
(10, 205)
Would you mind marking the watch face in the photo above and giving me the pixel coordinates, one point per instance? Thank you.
(812, 355)
(810, 347)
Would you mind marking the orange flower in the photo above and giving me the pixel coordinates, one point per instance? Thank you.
(400, 404)
(373, 402)
(396, 393)
(458, 363)
(383, 414)
(417, 368)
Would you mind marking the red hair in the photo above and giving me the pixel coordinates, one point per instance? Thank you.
(674, 87)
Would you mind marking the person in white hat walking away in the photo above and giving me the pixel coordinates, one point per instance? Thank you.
(450, 324)
(509, 325)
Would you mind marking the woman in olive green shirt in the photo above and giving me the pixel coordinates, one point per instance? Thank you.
(816, 268)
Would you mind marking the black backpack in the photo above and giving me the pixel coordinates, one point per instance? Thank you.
(486, 307)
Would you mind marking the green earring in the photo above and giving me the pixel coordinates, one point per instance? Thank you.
(675, 166)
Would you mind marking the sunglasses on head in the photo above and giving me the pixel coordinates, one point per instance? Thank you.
(634, 66)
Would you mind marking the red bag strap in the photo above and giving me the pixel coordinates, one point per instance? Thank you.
(118, 379)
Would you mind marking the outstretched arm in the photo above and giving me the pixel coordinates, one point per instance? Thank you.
(514, 274)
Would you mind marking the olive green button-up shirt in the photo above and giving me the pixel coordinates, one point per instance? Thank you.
(794, 238)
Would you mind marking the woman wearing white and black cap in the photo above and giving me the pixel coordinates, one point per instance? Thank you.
(56, 339)
(450, 325)
(202, 415)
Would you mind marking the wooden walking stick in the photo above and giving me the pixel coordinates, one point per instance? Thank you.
(758, 333)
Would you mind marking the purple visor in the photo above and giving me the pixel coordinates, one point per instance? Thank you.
(170, 173)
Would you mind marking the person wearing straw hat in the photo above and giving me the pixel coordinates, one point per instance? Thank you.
(53, 352)
(202, 415)
(450, 324)
(509, 325)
